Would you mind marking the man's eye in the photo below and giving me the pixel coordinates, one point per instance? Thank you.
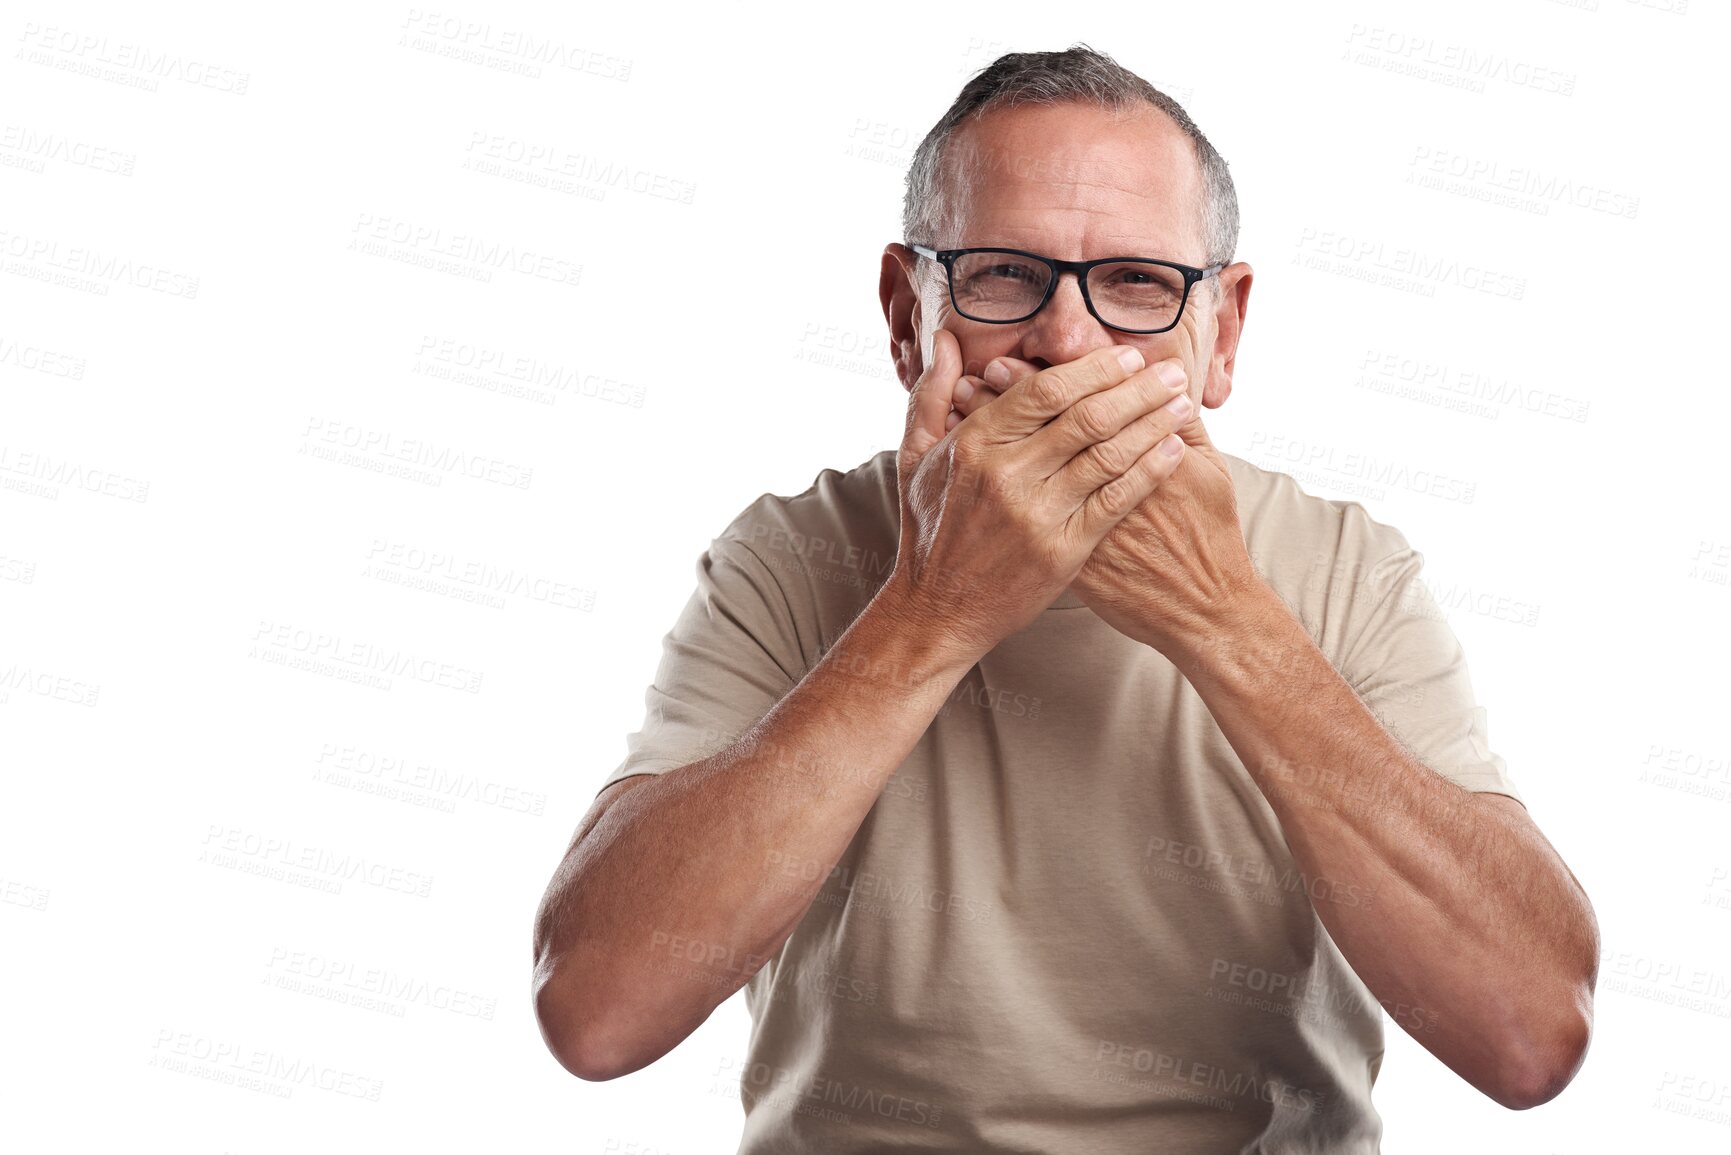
(1008, 272)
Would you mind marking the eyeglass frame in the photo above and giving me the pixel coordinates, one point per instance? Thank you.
(947, 258)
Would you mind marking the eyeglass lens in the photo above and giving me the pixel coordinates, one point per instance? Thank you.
(1003, 286)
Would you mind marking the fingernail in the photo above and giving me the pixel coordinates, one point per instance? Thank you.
(1172, 446)
(1131, 358)
(1171, 373)
(997, 374)
(963, 391)
(1180, 406)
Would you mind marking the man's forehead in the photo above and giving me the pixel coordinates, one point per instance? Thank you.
(1076, 175)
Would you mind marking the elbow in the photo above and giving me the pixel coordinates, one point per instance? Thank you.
(577, 1041)
(1544, 1054)
(1540, 1065)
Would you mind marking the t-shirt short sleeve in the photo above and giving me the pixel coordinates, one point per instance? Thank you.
(1406, 664)
(732, 654)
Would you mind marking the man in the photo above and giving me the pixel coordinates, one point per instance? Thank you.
(1047, 789)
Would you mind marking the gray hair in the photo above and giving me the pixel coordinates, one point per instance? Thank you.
(1077, 74)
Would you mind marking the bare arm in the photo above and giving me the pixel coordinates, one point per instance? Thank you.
(1480, 942)
(675, 892)
(674, 897)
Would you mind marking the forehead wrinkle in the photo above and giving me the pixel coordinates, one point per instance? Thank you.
(1036, 209)
(1073, 232)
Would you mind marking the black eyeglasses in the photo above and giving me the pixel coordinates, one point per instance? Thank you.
(1004, 286)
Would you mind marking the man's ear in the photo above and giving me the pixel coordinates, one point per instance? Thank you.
(1229, 312)
(901, 302)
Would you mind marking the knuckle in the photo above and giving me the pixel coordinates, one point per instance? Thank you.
(1106, 368)
(1047, 390)
(1112, 457)
(996, 485)
(1160, 422)
(1090, 422)
(1117, 496)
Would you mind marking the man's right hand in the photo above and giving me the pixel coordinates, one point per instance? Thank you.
(1000, 513)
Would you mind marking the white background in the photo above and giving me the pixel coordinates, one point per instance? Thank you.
(197, 316)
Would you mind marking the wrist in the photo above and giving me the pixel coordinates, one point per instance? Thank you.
(914, 639)
(1250, 626)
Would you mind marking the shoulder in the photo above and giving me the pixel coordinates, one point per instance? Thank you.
(1327, 558)
(839, 533)
(838, 504)
(1283, 518)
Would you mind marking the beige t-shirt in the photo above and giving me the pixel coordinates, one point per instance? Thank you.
(1070, 922)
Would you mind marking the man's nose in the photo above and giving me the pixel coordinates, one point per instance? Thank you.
(1064, 330)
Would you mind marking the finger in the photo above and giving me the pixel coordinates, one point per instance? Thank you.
(973, 394)
(1195, 433)
(1002, 372)
(1099, 463)
(1030, 403)
(1109, 504)
(1097, 418)
(932, 396)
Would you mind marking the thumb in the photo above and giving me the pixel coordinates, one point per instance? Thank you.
(932, 396)
(1195, 436)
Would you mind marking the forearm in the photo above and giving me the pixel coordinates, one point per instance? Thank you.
(688, 884)
(1475, 935)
